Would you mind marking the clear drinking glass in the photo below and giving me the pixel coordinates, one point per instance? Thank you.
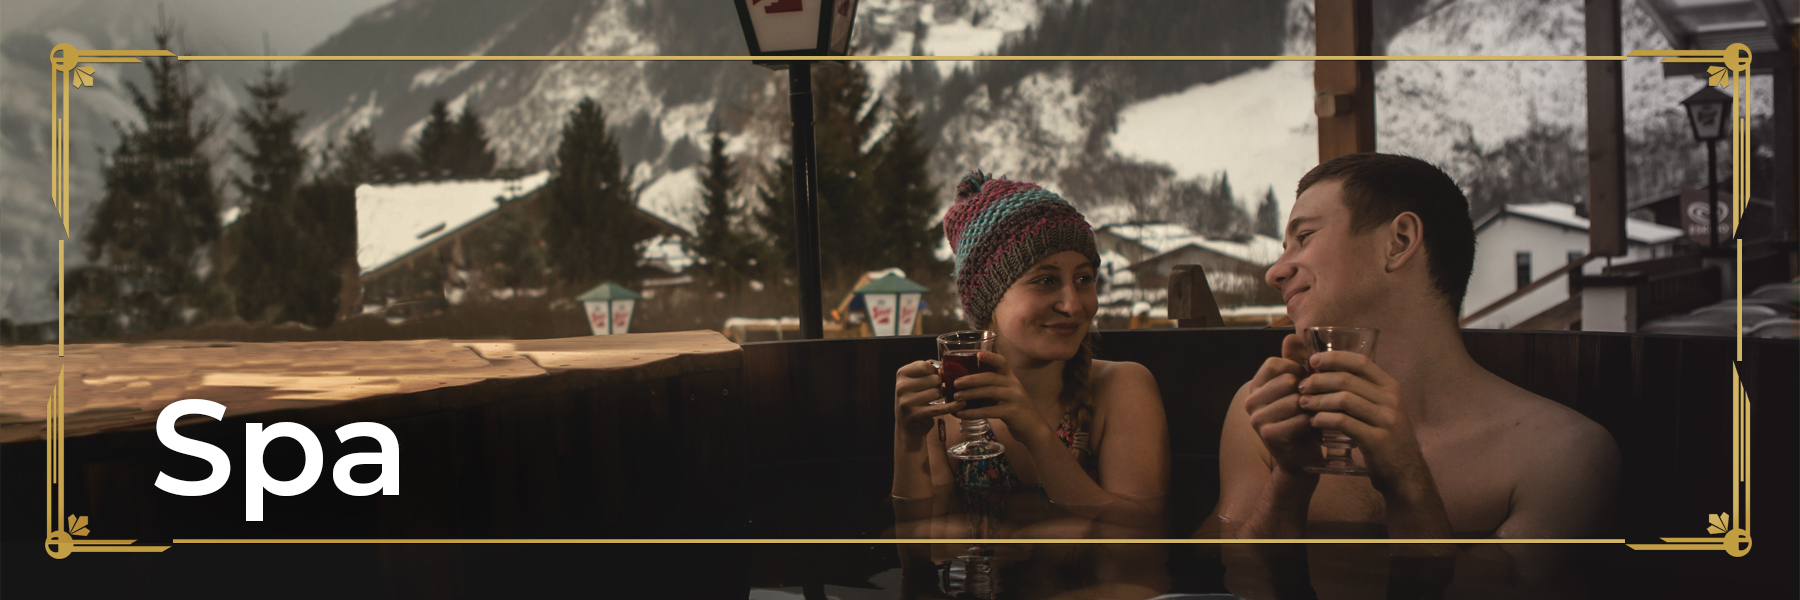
(1337, 445)
(957, 357)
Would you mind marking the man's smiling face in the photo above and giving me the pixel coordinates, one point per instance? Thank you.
(1327, 274)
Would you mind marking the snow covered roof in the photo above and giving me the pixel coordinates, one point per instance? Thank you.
(673, 198)
(1163, 238)
(1111, 214)
(1158, 237)
(1258, 250)
(665, 252)
(394, 220)
(1558, 213)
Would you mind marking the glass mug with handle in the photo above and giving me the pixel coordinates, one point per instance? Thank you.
(1337, 445)
(957, 353)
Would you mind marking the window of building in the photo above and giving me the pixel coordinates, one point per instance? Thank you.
(1524, 270)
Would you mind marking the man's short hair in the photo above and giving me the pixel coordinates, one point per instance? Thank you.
(1379, 187)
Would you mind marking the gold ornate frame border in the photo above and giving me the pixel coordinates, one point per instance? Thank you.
(1731, 67)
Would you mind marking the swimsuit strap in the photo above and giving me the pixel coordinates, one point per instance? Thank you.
(997, 472)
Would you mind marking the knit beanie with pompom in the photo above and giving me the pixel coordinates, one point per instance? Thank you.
(999, 229)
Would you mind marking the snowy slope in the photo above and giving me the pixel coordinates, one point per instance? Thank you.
(1256, 126)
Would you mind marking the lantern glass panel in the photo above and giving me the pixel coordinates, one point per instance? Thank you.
(1709, 120)
(785, 25)
(840, 25)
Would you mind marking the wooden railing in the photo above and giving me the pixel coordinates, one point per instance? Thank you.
(1676, 292)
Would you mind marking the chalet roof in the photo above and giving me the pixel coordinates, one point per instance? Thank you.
(1163, 238)
(1563, 215)
(394, 220)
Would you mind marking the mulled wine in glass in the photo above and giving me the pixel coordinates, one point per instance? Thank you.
(1337, 445)
(957, 357)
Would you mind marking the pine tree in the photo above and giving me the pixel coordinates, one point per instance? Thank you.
(436, 147)
(160, 212)
(720, 243)
(1268, 216)
(1221, 217)
(470, 156)
(591, 221)
(847, 222)
(356, 161)
(905, 197)
(777, 257)
(266, 241)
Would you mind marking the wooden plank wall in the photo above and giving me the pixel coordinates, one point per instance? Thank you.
(1666, 399)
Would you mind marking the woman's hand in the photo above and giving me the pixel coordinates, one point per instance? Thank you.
(915, 388)
(1002, 390)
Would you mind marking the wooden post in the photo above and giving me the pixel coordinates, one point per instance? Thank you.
(1606, 132)
(1787, 140)
(1344, 91)
(1191, 301)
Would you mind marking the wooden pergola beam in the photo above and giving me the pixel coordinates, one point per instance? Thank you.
(1606, 131)
(1344, 91)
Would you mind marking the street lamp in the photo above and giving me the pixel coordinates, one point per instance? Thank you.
(1706, 112)
(609, 308)
(778, 29)
(892, 303)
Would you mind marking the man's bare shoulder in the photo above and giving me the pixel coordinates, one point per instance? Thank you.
(1565, 468)
(1545, 432)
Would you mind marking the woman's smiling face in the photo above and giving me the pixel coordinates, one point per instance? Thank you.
(1046, 313)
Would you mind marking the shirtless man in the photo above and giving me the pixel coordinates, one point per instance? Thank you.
(1385, 241)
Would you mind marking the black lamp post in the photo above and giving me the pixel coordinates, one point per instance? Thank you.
(800, 28)
(1706, 112)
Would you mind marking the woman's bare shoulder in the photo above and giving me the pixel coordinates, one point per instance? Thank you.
(1110, 378)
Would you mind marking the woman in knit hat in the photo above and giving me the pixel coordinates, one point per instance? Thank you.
(1087, 432)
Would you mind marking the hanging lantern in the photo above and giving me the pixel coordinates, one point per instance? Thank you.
(892, 304)
(609, 308)
(777, 28)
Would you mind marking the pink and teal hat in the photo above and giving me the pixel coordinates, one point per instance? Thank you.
(999, 229)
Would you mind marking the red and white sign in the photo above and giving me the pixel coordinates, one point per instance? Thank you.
(909, 314)
(1694, 212)
(881, 313)
(621, 316)
(609, 320)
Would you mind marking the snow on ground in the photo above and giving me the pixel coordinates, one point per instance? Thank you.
(965, 38)
(1257, 126)
(393, 220)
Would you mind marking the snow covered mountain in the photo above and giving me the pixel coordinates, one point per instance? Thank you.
(1094, 131)
(30, 227)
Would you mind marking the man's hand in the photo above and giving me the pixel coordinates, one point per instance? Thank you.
(1349, 393)
(1275, 410)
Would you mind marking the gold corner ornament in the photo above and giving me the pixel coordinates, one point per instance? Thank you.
(1730, 69)
(61, 528)
(68, 72)
(60, 533)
